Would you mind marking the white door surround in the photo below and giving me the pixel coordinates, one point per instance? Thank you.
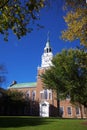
(44, 109)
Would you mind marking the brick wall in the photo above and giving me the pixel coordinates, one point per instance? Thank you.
(68, 110)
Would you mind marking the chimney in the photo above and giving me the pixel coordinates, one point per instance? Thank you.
(13, 83)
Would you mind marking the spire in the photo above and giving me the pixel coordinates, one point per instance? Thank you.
(47, 48)
(48, 40)
(47, 55)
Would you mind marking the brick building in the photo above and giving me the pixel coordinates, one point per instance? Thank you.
(43, 101)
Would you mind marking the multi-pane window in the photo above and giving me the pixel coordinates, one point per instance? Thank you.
(27, 95)
(46, 94)
(61, 111)
(42, 95)
(33, 95)
(77, 111)
(69, 110)
(50, 95)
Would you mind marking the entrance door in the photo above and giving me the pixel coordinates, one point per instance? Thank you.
(44, 109)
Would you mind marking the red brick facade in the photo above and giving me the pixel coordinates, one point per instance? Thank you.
(68, 110)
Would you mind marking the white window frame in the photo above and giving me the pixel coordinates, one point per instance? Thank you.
(46, 94)
(62, 109)
(42, 97)
(70, 110)
(78, 110)
(50, 92)
(33, 99)
(42, 92)
(27, 96)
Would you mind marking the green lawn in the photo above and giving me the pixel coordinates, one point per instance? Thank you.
(36, 123)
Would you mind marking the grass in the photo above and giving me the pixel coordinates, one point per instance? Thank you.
(36, 123)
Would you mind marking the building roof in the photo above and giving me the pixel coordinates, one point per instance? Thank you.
(23, 85)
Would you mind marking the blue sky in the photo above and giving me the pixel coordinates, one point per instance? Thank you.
(22, 57)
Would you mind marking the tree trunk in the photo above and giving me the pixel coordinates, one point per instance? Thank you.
(58, 104)
(81, 111)
(58, 107)
(85, 110)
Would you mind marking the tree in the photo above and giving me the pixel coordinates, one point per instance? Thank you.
(68, 76)
(15, 95)
(11, 102)
(76, 20)
(17, 15)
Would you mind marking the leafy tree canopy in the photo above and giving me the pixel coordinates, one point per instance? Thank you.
(15, 95)
(76, 20)
(18, 15)
(68, 75)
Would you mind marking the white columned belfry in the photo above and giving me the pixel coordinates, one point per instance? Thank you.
(47, 55)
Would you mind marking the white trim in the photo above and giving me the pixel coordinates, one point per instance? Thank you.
(67, 110)
(48, 92)
(44, 109)
(32, 95)
(78, 109)
(27, 92)
(63, 110)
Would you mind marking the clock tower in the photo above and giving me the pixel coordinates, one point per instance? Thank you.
(47, 55)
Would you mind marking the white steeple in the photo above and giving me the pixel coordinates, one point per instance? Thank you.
(47, 55)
